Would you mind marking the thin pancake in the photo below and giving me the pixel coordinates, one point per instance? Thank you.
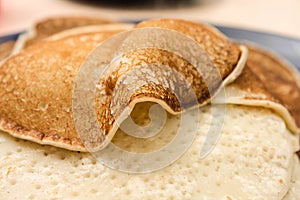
(36, 85)
(54, 25)
(45, 87)
(222, 51)
(51, 26)
(267, 80)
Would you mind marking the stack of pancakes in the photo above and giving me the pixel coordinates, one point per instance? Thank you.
(44, 157)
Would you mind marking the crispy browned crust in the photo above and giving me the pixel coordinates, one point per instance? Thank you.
(221, 50)
(184, 98)
(36, 85)
(54, 25)
(6, 49)
(268, 80)
(36, 89)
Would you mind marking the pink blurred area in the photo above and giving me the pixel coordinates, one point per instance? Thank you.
(278, 16)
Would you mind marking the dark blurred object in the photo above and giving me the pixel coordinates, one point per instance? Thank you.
(154, 4)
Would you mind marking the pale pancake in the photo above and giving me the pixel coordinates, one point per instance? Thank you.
(36, 85)
(294, 192)
(253, 159)
(268, 81)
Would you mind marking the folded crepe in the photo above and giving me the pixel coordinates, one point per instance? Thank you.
(253, 159)
(36, 85)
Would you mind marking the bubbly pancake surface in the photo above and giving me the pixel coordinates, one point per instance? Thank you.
(248, 162)
(294, 192)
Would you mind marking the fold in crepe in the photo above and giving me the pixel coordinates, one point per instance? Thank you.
(36, 84)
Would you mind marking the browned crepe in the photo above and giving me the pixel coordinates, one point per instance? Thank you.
(51, 26)
(222, 51)
(268, 81)
(36, 85)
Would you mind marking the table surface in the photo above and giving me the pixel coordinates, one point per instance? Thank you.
(275, 16)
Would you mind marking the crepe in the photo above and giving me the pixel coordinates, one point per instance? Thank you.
(51, 26)
(36, 85)
(268, 81)
(253, 159)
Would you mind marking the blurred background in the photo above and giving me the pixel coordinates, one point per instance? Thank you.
(276, 16)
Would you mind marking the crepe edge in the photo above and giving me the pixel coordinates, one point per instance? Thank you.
(31, 33)
(276, 107)
(18, 131)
